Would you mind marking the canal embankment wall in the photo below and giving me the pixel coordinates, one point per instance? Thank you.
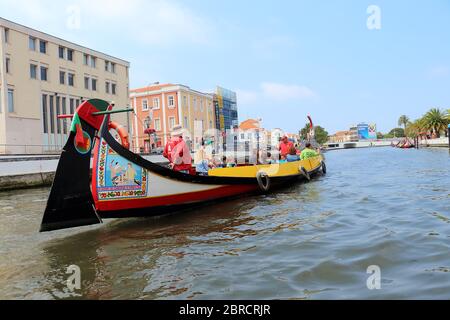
(21, 172)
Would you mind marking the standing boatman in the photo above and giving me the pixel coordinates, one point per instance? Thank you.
(177, 152)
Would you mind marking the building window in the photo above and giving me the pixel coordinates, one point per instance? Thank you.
(113, 88)
(8, 65)
(94, 85)
(72, 106)
(113, 67)
(33, 71)
(64, 110)
(71, 79)
(157, 124)
(6, 35)
(185, 101)
(86, 83)
(86, 59)
(42, 46)
(93, 62)
(58, 112)
(171, 102)
(10, 100)
(186, 123)
(70, 54)
(171, 123)
(44, 73)
(144, 105)
(32, 43)
(61, 51)
(107, 65)
(52, 115)
(201, 105)
(195, 104)
(155, 103)
(44, 113)
(62, 77)
(107, 87)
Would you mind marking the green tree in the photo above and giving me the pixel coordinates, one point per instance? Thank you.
(396, 133)
(321, 135)
(415, 128)
(380, 135)
(436, 121)
(403, 121)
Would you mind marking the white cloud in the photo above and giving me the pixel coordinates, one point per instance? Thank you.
(282, 92)
(274, 92)
(439, 71)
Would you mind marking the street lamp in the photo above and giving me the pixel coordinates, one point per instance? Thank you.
(149, 131)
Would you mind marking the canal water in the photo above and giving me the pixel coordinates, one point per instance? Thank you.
(376, 207)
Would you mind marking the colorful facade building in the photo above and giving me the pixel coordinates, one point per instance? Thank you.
(225, 104)
(160, 107)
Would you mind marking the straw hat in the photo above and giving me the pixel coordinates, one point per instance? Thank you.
(177, 131)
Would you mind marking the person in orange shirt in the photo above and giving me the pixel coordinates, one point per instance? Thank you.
(177, 152)
(284, 147)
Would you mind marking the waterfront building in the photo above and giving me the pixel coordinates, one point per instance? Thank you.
(343, 136)
(160, 107)
(251, 132)
(225, 104)
(41, 77)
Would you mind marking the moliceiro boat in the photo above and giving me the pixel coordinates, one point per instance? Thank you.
(123, 184)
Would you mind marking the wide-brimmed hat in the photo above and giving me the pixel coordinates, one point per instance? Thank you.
(177, 131)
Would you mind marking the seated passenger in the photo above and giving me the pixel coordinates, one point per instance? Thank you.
(269, 159)
(231, 163)
(282, 159)
(201, 160)
(308, 152)
(292, 156)
(216, 163)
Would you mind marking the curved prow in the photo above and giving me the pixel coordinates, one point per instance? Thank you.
(70, 203)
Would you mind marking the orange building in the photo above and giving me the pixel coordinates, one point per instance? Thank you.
(160, 107)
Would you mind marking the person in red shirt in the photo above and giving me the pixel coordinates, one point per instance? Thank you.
(177, 152)
(284, 147)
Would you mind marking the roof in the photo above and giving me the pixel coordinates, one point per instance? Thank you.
(249, 124)
(153, 87)
(343, 133)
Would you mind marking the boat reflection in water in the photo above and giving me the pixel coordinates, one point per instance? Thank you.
(151, 258)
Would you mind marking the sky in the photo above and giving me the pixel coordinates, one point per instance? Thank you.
(343, 62)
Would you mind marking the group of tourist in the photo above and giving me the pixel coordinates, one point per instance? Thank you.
(290, 153)
(179, 156)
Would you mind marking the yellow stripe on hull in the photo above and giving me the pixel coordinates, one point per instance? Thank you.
(273, 170)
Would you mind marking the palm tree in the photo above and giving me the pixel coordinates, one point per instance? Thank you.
(436, 120)
(403, 121)
(416, 128)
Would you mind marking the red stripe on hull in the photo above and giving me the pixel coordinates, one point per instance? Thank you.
(179, 199)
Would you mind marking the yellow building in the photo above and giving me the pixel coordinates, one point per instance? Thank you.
(42, 76)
